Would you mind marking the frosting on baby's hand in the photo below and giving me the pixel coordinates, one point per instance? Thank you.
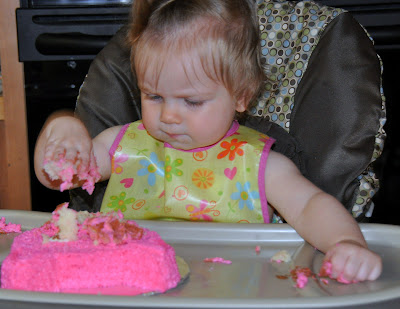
(326, 271)
(65, 170)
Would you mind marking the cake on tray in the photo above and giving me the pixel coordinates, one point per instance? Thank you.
(81, 252)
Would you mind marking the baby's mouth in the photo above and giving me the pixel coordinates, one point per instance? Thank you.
(173, 136)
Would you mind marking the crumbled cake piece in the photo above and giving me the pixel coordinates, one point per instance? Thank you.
(67, 224)
(111, 229)
(281, 256)
(217, 260)
(300, 276)
(9, 227)
(102, 228)
(65, 171)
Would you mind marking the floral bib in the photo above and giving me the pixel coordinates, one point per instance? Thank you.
(224, 182)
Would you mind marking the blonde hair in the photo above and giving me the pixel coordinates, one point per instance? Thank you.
(223, 33)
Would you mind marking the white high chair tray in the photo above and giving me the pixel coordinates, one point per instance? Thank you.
(251, 281)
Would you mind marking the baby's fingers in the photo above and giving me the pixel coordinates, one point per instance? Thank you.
(374, 266)
(353, 263)
(368, 270)
(375, 273)
(353, 270)
(61, 149)
(370, 265)
(339, 262)
(362, 273)
(81, 158)
(54, 152)
(93, 163)
(72, 154)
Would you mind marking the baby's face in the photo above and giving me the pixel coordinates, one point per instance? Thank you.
(184, 107)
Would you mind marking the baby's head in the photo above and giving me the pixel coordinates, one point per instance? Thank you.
(210, 46)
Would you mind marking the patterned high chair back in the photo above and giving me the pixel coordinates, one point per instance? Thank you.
(324, 88)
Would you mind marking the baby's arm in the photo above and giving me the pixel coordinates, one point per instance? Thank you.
(321, 220)
(64, 137)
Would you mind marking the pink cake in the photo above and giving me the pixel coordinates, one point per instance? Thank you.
(101, 253)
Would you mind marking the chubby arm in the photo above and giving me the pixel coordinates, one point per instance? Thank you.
(321, 220)
(65, 137)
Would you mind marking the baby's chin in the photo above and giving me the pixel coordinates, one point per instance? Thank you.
(187, 146)
(184, 142)
(193, 146)
(181, 146)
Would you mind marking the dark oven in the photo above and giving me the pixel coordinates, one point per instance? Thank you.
(59, 38)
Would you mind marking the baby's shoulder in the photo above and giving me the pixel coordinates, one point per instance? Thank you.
(108, 136)
(279, 163)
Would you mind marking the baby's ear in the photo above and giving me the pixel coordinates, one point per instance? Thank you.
(241, 104)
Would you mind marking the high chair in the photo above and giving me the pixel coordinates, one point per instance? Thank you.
(323, 99)
(324, 88)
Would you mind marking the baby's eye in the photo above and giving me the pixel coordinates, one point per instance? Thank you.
(153, 97)
(193, 102)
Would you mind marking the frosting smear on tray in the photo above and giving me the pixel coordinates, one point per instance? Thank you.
(81, 252)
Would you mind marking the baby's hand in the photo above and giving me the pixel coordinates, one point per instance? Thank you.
(350, 262)
(67, 138)
(68, 158)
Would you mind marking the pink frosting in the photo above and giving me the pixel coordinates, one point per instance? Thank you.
(9, 227)
(301, 280)
(65, 170)
(301, 275)
(135, 266)
(326, 271)
(217, 260)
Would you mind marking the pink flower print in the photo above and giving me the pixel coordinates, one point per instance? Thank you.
(115, 167)
(201, 212)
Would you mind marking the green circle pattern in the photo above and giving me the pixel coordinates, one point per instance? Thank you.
(289, 33)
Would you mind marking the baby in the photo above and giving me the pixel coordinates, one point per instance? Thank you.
(197, 67)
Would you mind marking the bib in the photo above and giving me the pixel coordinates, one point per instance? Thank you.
(224, 182)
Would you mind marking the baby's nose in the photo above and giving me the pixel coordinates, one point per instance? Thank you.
(170, 113)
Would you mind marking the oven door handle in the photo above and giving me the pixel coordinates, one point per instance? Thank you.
(73, 43)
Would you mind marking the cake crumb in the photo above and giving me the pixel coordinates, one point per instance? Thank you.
(9, 227)
(67, 224)
(300, 276)
(102, 228)
(281, 256)
(65, 170)
(217, 260)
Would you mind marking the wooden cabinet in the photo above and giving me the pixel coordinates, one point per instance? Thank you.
(15, 192)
